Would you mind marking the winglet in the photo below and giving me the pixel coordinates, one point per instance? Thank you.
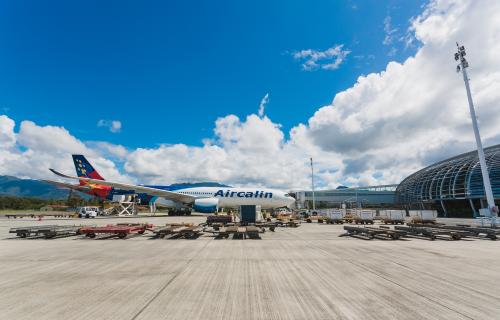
(63, 175)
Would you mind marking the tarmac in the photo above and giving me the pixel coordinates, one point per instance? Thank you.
(294, 273)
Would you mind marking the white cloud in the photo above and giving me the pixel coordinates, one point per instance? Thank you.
(7, 135)
(244, 152)
(389, 31)
(34, 149)
(329, 59)
(263, 103)
(114, 151)
(392, 52)
(386, 126)
(114, 126)
(415, 112)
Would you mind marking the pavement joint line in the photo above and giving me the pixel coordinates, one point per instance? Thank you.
(168, 283)
(454, 283)
(360, 265)
(406, 288)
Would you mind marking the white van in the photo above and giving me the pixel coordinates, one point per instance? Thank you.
(87, 212)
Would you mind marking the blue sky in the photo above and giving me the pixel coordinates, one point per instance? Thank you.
(168, 69)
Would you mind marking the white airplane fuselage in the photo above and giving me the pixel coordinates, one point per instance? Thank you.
(227, 197)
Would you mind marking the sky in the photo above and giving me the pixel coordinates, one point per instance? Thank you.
(243, 93)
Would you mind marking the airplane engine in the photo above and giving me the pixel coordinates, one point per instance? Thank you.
(164, 203)
(206, 205)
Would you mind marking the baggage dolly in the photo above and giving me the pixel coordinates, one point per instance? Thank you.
(47, 231)
(122, 230)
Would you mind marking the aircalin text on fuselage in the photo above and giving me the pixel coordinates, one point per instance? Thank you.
(243, 194)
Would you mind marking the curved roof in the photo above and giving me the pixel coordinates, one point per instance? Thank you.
(455, 178)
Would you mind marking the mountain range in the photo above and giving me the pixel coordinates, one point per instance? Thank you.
(12, 186)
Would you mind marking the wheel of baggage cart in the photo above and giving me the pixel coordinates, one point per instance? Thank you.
(122, 235)
(91, 235)
(49, 235)
(456, 236)
(226, 236)
(271, 228)
(141, 232)
(22, 234)
(308, 220)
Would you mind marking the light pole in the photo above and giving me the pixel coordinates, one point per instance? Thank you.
(463, 65)
(312, 185)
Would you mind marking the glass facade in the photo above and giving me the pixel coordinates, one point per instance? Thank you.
(457, 178)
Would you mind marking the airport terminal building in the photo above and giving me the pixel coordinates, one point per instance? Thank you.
(367, 197)
(453, 186)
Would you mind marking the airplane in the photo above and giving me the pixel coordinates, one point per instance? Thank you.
(201, 199)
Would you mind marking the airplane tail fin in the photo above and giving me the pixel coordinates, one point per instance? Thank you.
(84, 168)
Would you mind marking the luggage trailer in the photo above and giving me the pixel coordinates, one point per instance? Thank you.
(432, 233)
(238, 232)
(287, 224)
(368, 233)
(122, 230)
(187, 231)
(490, 233)
(48, 231)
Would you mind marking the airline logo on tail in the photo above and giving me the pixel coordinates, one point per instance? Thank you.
(84, 168)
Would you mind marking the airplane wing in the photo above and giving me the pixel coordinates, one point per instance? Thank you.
(184, 198)
(68, 185)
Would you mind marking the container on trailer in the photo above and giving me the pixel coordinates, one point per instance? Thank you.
(336, 214)
(250, 213)
(423, 215)
(393, 216)
(365, 214)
